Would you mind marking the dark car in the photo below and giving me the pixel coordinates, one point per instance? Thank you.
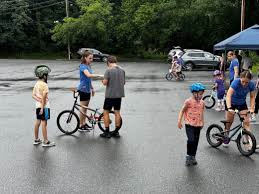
(99, 56)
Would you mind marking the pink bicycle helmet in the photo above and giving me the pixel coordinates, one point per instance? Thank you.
(216, 72)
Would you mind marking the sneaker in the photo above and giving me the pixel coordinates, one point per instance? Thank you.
(115, 134)
(188, 161)
(105, 135)
(37, 142)
(217, 109)
(48, 144)
(194, 161)
(225, 145)
(84, 128)
(257, 147)
(252, 119)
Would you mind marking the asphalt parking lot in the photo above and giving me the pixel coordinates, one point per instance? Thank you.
(148, 158)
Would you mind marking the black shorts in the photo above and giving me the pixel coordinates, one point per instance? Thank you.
(110, 103)
(45, 116)
(84, 96)
(238, 107)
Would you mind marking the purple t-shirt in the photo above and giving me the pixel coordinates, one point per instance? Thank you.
(220, 85)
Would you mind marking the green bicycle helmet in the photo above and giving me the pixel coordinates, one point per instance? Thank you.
(42, 70)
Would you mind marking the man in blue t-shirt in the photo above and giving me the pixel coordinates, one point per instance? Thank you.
(234, 66)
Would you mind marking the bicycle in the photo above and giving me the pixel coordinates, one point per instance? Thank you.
(245, 138)
(210, 99)
(170, 75)
(68, 121)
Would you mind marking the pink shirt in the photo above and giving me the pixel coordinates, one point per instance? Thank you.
(193, 114)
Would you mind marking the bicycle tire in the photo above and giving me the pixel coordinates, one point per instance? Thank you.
(212, 99)
(169, 76)
(208, 136)
(182, 77)
(71, 114)
(239, 143)
(101, 122)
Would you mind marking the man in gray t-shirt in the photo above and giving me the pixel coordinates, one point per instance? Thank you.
(114, 80)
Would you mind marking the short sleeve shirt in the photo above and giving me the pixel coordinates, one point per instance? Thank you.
(85, 82)
(116, 81)
(220, 85)
(234, 63)
(240, 92)
(39, 89)
(194, 112)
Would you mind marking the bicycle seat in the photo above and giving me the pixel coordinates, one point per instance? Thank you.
(224, 122)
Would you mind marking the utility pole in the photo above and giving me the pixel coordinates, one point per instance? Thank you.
(68, 41)
(243, 15)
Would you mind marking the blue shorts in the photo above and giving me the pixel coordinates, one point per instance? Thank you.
(44, 116)
(220, 95)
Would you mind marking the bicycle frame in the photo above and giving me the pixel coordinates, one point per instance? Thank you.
(237, 128)
(93, 119)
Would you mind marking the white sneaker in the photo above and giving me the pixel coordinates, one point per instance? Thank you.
(225, 145)
(252, 119)
(48, 144)
(217, 109)
(257, 146)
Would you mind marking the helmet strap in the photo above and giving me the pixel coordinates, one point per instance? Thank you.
(45, 78)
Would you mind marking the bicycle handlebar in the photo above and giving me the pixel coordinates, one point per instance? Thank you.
(74, 90)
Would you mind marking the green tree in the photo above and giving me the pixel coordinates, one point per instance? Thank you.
(14, 17)
(91, 29)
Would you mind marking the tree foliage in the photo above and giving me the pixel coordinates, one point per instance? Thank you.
(120, 26)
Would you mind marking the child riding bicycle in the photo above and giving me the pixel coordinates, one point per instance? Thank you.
(176, 67)
(192, 111)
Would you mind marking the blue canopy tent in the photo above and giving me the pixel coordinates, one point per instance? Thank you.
(247, 39)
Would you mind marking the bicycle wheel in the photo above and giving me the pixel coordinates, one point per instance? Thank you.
(182, 76)
(209, 101)
(169, 76)
(246, 143)
(214, 135)
(112, 122)
(68, 122)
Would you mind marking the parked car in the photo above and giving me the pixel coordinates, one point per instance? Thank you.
(194, 59)
(99, 56)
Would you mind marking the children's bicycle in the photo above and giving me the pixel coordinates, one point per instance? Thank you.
(68, 121)
(210, 99)
(170, 75)
(246, 142)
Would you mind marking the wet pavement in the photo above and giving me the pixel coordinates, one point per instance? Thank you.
(148, 158)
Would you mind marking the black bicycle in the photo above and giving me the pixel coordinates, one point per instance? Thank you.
(68, 121)
(246, 142)
(170, 75)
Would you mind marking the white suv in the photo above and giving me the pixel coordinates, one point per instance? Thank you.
(194, 59)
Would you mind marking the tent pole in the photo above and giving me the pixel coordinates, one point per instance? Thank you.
(225, 60)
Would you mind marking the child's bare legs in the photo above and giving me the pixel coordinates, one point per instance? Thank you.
(82, 117)
(36, 129)
(44, 131)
